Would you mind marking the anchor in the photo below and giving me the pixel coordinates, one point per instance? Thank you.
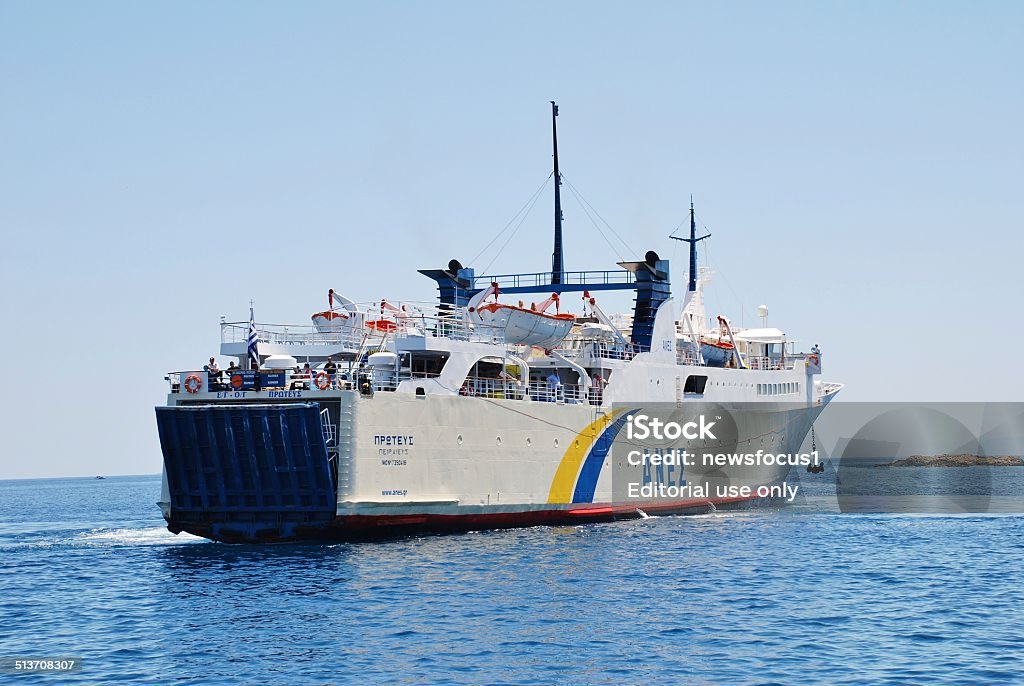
(812, 468)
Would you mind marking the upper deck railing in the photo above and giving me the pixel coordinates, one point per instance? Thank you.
(203, 385)
(771, 363)
(284, 334)
(828, 388)
(595, 279)
(369, 325)
(374, 325)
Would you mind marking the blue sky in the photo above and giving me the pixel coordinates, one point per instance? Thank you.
(859, 164)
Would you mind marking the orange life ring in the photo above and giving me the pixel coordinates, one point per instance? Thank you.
(323, 382)
(193, 383)
(813, 359)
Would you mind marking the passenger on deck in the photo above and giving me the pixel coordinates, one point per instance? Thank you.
(554, 387)
(214, 375)
(331, 370)
(597, 390)
(297, 382)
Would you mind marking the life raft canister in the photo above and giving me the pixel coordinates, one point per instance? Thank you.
(323, 382)
(193, 383)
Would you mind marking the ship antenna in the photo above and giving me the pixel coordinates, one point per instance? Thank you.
(692, 240)
(557, 264)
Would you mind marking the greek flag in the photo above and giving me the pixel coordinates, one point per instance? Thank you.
(254, 356)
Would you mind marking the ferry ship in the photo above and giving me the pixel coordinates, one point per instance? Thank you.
(497, 405)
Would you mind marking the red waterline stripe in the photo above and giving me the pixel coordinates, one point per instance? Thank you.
(530, 517)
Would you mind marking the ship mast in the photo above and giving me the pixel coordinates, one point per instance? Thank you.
(692, 240)
(557, 264)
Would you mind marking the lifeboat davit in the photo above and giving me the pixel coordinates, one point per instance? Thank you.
(342, 317)
(394, 318)
(519, 325)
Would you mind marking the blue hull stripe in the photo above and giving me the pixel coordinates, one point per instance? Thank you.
(586, 483)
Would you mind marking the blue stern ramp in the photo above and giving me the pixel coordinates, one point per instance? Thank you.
(247, 473)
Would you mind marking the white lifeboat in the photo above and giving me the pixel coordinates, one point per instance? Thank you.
(520, 325)
(343, 315)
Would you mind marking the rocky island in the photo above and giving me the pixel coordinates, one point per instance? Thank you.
(957, 461)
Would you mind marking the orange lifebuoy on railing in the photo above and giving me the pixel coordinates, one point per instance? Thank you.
(193, 383)
(323, 382)
(813, 360)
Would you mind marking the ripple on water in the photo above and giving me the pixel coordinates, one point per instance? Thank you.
(720, 598)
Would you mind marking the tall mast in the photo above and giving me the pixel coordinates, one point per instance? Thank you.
(557, 263)
(692, 240)
(692, 285)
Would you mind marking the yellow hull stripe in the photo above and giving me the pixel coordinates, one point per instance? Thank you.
(564, 483)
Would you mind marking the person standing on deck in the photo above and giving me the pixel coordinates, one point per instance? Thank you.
(330, 369)
(213, 374)
(554, 386)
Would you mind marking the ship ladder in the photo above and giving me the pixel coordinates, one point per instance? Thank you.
(357, 362)
(331, 440)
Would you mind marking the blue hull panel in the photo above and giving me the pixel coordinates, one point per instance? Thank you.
(247, 472)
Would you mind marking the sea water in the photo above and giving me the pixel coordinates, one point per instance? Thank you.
(802, 595)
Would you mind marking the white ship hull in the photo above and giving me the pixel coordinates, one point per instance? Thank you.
(440, 463)
(475, 456)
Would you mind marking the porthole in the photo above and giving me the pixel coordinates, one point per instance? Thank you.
(528, 442)
(556, 442)
(499, 440)
(459, 439)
